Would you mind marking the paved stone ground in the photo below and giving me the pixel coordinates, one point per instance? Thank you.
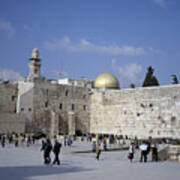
(26, 163)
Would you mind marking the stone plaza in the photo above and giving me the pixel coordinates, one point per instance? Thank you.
(26, 163)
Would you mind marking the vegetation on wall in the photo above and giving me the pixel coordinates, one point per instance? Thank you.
(150, 79)
(175, 79)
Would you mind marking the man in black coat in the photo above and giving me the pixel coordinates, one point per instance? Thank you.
(46, 147)
(56, 150)
(154, 153)
(3, 141)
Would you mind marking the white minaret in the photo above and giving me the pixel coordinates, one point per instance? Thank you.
(34, 65)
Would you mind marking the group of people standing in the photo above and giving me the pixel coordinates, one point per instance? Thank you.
(68, 141)
(148, 152)
(99, 146)
(11, 138)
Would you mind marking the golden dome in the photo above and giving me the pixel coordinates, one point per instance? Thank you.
(106, 80)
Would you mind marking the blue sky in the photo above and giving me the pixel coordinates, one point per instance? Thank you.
(84, 38)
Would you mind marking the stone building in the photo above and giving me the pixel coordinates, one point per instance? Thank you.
(9, 119)
(70, 106)
(50, 106)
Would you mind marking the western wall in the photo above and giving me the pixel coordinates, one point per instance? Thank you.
(140, 112)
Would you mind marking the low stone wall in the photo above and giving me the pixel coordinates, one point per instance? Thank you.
(163, 154)
(174, 153)
(10, 122)
(171, 153)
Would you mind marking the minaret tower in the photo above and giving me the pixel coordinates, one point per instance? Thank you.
(34, 65)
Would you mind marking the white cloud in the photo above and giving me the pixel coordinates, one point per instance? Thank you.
(7, 27)
(7, 74)
(86, 46)
(59, 74)
(53, 73)
(128, 74)
(160, 2)
(155, 51)
(27, 28)
(62, 74)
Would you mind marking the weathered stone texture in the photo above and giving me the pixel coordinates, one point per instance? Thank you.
(25, 103)
(8, 97)
(60, 99)
(10, 122)
(47, 107)
(174, 153)
(140, 112)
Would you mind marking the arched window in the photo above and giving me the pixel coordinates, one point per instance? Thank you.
(46, 104)
(35, 71)
(73, 107)
(66, 93)
(60, 106)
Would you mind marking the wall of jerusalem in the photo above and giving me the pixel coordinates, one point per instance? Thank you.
(8, 97)
(141, 112)
(12, 123)
(9, 120)
(54, 103)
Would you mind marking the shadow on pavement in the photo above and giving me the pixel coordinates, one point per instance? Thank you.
(25, 172)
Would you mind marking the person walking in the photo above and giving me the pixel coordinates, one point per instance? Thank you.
(105, 143)
(28, 140)
(56, 150)
(154, 153)
(65, 140)
(143, 148)
(16, 140)
(3, 141)
(98, 150)
(131, 152)
(94, 146)
(69, 141)
(47, 147)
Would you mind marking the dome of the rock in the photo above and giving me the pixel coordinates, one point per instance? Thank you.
(106, 80)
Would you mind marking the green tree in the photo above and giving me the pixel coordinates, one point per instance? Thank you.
(175, 79)
(150, 80)
(132, 86)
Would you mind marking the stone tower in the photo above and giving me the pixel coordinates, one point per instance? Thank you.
(34, 65)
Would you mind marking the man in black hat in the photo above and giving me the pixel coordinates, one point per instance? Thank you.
(56, 150)
(47, 147)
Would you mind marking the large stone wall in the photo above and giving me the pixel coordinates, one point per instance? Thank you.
(10, 122)
(141, 112)
(54, 108)
(25, 103)
(52, 104)
(8, 97)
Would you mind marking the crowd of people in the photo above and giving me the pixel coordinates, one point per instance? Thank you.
(149, 152)
(16, 139)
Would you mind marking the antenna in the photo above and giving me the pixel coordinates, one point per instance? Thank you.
(62, 74)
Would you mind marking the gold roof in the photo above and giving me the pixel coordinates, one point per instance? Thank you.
(106, 80)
